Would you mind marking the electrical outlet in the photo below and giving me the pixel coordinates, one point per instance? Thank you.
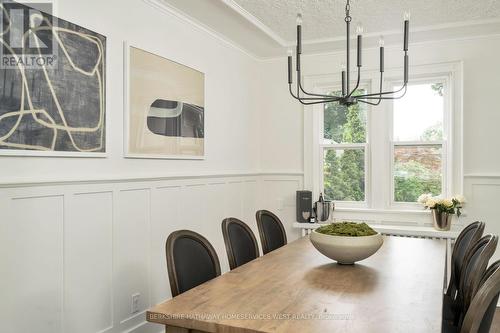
(135, 303)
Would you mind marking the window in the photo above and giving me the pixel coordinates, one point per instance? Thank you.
(344, 149)
(375, 161)
(419, 146)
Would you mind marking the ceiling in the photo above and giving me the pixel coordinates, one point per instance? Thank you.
(265, 28)
(325, 18)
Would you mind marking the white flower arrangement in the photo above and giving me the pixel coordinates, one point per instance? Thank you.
(450, 206)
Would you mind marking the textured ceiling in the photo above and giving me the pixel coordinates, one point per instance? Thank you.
(324, 19)
(266, 28)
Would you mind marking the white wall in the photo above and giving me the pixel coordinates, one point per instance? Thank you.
(73, 254)
(79, 236)
(231, 81)
(284, 117)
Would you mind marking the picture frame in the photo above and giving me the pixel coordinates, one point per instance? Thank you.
(128, 112)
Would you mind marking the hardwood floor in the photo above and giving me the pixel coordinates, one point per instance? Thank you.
(495, 326)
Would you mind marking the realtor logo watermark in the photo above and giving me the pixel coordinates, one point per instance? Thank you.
(27, 35)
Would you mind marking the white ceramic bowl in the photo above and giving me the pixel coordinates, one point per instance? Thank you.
(346, 250)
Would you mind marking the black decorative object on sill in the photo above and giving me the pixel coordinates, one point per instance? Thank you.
(347, 97)
(304, 206)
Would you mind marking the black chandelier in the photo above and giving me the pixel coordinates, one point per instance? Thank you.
(347, 98)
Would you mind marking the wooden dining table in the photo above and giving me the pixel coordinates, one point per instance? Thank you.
(297, 289)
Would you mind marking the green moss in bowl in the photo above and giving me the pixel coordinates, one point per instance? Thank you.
(349, 229)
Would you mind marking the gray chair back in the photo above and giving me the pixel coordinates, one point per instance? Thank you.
(479, 317)
(191, 261)
(467, 238)
(271, 231)
(241, 245)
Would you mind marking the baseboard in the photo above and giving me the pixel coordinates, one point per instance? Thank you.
(146, 327)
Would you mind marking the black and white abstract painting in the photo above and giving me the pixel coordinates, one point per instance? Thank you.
(52, 85)
(165, 107)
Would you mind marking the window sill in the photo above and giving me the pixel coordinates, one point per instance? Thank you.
(421, 212)
(382, 211)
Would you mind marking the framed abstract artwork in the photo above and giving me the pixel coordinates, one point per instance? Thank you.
(164, 107)
(52, 85)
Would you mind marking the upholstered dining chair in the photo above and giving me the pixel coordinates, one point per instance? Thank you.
(467, 238)
(481, 311)
(241, 245)
(191, 261)
(476, 263)
(474, 266)
(482, 308)
(271, 231)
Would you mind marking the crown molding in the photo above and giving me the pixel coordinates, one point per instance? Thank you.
(168, 9)
(256, 22)
(430, 28)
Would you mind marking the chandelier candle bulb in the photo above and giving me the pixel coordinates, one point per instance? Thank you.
(299, 19)
(299, 33)
(359, 29)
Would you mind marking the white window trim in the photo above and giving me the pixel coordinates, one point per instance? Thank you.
(320, 146)
(379, 147)
(446, 153)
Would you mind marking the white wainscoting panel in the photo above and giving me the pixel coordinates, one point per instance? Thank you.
(278, 194)
(132, 270)
(482, 193)
(88, 229)
(72, 254)
(31, 265)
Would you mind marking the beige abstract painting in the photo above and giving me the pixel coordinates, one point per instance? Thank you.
(165, 108)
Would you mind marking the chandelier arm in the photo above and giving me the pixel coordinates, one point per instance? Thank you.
(329, 98)
(404, 87)
(391, 97)
(379, 99)
(357, 83)
(370, 103)
(348, 96)
(301, 100)
(311, 94)
(383, 93)
(299, 81)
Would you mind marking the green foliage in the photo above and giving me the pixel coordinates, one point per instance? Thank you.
(350, 229)
(345, 125)
(438, 88)
(433, 133)
(344, 174)
(412, 178)
(344, 171)
(409, 189)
